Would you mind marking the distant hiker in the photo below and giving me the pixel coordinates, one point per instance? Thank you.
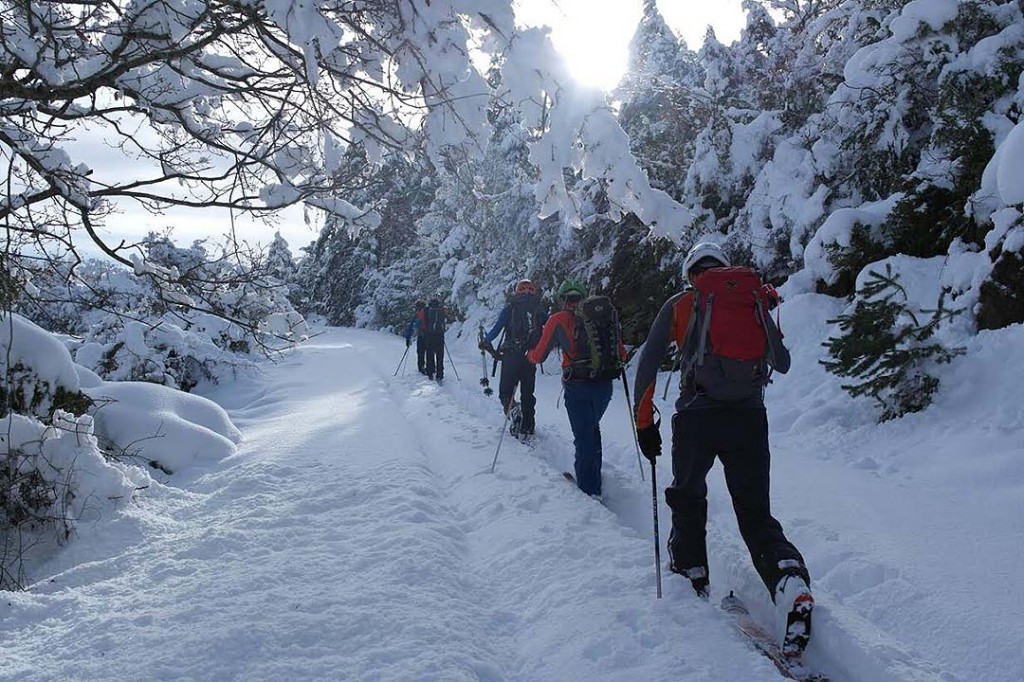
(521, 321)
(418, 324)
(587, 331)
(728, 346)
(435, 318)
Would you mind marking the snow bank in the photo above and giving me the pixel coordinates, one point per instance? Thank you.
(1009, 167)
(163, 425)
(23, 343)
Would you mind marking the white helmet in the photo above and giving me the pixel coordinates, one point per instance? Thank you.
(701, 251)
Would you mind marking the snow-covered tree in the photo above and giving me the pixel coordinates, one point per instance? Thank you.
(662, 109)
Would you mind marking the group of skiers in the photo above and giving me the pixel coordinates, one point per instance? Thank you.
(725, 345)
(428, 324)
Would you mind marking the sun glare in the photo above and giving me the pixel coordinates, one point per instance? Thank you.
(595, 47)
(593, 35)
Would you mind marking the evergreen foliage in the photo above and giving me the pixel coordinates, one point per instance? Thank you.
(1002, 295)
(886, 349)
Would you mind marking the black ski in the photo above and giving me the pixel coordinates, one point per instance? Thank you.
(790, 667)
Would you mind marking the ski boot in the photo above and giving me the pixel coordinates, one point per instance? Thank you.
(793, 599)
(698, 577)
(515, 421)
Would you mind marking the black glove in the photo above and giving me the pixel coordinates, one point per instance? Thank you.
(408, 342)
(650, 441)
(485, 345)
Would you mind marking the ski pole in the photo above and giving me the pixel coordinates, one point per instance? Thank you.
(452, 363)
(494, 365)
(632, 422)
(657, 538)
(484, 381)
(401, 361)
(500, 438)
(654, 489)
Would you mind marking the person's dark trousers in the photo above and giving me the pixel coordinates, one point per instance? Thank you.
(517, 370)
(421, 353)
(739, 437)
(586, 401)
(435, 356)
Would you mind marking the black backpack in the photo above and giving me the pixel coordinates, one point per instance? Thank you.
(596, 337)
(523, 328)
(435, 318)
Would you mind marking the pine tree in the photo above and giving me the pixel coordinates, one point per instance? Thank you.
(661, 108)
(887, 349)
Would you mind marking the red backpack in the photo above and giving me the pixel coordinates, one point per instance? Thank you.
(731, 343)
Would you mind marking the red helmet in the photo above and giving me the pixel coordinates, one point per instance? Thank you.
(525, 286)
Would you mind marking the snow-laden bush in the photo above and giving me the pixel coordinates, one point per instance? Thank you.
(231, 311)
(52, 472)
(67, 439)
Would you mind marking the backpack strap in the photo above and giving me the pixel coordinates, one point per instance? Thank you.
(770, 344)
(705, 325)
(688, 341)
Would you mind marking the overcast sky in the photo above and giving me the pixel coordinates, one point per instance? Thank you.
(593, 35)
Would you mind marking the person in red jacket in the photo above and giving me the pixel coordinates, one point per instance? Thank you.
(585, 399)
(418, 325)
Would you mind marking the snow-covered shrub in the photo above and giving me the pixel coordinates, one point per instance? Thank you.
(52, 472)
(128, 329)
(888, 348)
(38, 375)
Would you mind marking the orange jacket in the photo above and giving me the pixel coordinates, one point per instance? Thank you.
(558, 331)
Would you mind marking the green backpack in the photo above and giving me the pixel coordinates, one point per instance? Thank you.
(596, 337)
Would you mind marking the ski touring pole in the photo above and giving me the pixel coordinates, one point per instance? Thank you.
(501, 343)
(401, 361)
(452, 363)
(501, 437)
(654, 487)
(484, 381)
(632, 422)
(657, 538)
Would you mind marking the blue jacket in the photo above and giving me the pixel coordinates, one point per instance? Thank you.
(417, 324)
(542, 318)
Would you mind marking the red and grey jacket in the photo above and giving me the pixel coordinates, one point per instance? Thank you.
(558, 331)
(670, 327)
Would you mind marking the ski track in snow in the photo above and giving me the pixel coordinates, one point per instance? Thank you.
(358, 534)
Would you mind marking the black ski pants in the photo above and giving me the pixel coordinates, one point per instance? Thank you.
(516, 370)
(739, 437)
(435, 355)
(421, 353)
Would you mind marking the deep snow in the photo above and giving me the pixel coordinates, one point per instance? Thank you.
(357, 534)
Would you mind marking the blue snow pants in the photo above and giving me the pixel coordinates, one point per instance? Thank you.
(586, 401)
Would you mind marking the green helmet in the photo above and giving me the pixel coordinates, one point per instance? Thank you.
(570, 287)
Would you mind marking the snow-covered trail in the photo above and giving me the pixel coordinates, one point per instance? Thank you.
(357, 535)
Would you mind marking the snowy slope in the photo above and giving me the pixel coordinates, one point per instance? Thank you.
(358, 535)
